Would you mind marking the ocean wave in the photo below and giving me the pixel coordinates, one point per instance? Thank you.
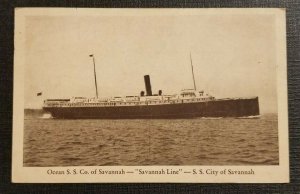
(46, 116)
(250, 117)
(212, 118)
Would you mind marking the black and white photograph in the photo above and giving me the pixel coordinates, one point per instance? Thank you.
(151, 92)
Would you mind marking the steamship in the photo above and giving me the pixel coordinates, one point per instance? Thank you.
(189, 103)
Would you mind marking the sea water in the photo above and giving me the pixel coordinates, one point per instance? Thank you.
(198, 141)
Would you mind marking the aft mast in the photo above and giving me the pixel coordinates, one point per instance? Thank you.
(193, 72)
(95, 75)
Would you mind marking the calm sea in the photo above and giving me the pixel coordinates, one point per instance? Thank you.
(201, 141)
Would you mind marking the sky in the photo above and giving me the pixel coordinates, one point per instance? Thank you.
(233, 55)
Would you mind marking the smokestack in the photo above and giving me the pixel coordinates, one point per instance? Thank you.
(148, 85)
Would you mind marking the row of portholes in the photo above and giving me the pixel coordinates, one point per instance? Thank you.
(126, 103)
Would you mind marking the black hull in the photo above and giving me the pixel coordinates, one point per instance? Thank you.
(216, 108)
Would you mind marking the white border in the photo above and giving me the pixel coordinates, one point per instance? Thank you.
(263, 174)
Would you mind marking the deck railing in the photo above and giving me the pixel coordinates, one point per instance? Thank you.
(132, 103)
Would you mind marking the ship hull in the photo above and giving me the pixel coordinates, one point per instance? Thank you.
(215, 108)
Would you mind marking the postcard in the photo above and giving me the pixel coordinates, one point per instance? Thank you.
(150, 95)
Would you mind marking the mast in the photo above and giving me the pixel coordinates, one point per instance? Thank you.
(95, 75)
(193, 72)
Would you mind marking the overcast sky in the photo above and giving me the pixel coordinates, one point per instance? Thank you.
(233, 55)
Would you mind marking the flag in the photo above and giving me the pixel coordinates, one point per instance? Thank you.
(91, 55)
(39, 94)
